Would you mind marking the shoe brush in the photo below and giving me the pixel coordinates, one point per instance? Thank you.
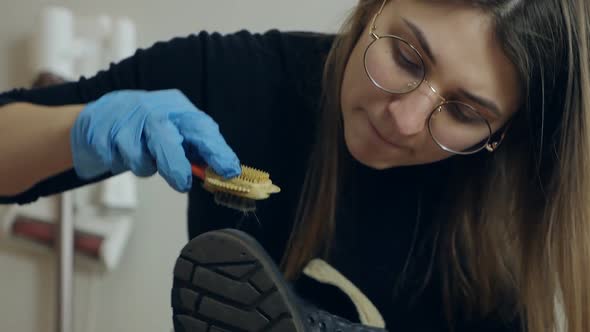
(238, 193)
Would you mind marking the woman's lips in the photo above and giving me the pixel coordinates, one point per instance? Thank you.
(382, 138)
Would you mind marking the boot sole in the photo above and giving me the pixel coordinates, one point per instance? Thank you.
(225, 281)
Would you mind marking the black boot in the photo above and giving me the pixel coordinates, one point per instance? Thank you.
(225, 281)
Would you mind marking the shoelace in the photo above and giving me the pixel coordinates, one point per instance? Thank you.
(369, 316)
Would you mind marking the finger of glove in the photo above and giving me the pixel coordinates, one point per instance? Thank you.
(131, 151)
(202, 134)
(165, 145)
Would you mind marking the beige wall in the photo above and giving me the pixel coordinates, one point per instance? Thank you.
(135, 297)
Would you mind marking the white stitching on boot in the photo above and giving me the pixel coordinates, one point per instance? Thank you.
(322, 272)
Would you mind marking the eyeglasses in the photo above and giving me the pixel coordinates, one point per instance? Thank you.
(395, 66)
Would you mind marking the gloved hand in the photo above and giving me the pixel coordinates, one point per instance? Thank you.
(147, 132)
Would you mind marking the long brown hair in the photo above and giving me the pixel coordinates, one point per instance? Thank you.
(515, 239)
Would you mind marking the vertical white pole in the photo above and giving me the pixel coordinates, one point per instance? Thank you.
(65, 254)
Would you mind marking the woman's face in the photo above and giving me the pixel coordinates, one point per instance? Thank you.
(463, 62)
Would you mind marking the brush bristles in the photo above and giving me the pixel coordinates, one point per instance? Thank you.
(253, 175)
(235, 202)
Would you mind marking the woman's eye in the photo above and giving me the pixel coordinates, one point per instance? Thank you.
(406, 61)
(463, 114)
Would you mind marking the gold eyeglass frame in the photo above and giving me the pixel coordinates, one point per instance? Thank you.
(488, 145)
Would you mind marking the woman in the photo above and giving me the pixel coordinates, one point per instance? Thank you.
(447, 171)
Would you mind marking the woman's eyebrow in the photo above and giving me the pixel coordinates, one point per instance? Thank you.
(487, 103)
(419, 34)
(421, 37)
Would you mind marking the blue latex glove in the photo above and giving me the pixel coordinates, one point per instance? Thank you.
(147, 132)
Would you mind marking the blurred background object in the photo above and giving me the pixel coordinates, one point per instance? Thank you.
(63, 48)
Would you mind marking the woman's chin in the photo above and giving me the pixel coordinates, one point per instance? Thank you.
(366, 155)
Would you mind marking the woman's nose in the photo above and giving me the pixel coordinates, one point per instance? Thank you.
(411, 111)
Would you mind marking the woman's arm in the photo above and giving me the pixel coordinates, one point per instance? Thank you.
(34, 144)
(201, 66)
